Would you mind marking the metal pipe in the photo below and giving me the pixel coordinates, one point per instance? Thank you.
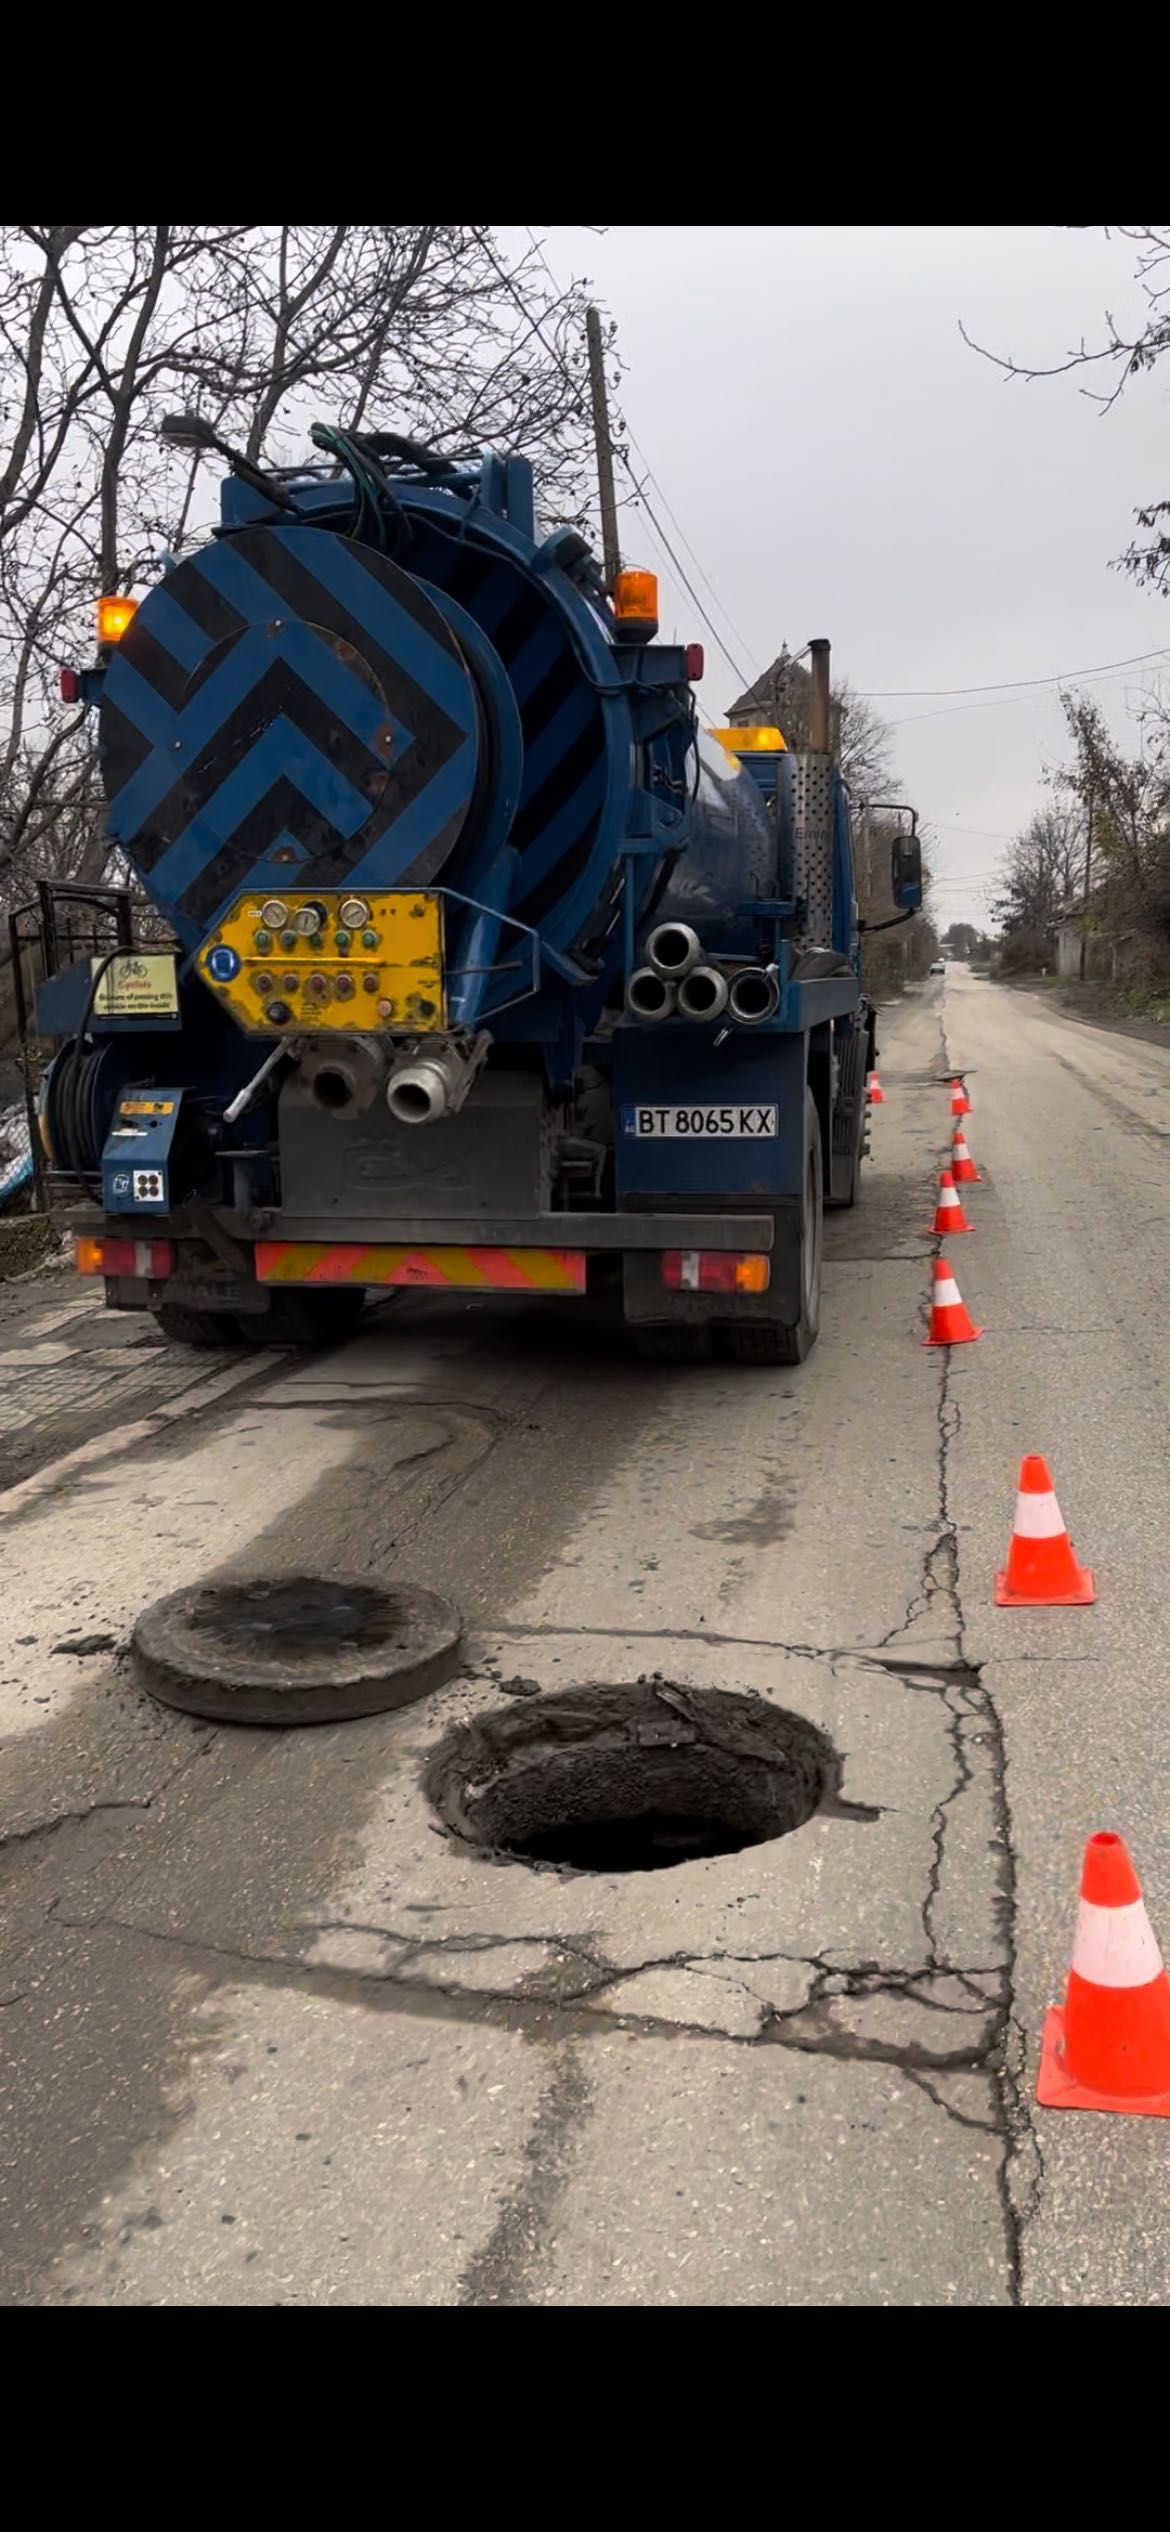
(343, 1075)
(650, 996)
(435, 1083)
(820, 715)
(753, 995)
(673, 949)
(703, 994)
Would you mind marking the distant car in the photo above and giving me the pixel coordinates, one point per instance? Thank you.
(938, 967)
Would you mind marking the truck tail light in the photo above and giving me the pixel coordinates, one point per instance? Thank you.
(715, 1270)
(150, 1260)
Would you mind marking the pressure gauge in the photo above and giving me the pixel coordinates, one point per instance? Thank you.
(308, 921)
(274, 915)
(354, 912)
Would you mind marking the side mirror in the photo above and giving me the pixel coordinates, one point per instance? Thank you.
(906, 872)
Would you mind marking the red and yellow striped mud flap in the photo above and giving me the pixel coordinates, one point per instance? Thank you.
(454, 1269)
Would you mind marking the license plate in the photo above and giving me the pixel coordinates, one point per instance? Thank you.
(693, 1122)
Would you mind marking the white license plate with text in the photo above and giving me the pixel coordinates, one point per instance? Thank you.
(691, 1122)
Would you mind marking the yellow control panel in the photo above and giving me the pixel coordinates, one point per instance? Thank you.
(332, 958)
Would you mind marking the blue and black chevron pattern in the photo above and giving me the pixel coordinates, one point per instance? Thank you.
(287, 706)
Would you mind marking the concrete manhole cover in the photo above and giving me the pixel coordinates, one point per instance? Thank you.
(299, 1649)
(626, 1780)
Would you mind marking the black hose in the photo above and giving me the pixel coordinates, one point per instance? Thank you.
(74, 1076)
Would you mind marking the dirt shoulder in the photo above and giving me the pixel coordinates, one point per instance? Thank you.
(1092, 1004)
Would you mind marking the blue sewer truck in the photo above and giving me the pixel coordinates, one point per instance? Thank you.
(481, 963)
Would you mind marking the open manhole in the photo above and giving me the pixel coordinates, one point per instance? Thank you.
(296, 1649)
(630, 1780)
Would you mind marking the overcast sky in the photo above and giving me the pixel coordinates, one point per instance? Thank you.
(843, 464)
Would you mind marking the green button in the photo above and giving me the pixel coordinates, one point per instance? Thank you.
(263, 940)
(343, 940)
(369, 940)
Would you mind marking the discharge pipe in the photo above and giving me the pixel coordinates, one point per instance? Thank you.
(673, 949)
(343, 1075)
(650, 996)
(703, 994)
(753, 995)
(435, 1083)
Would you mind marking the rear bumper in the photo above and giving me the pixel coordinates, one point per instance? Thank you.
(587, 1232)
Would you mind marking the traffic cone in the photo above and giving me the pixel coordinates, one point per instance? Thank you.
(963, 1169)
(950, 1323)
(1041, 1571)
(949, 1215)
(1108, 2047)
(875, 1094)
(960, 1103)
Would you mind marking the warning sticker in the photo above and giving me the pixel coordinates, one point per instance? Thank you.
(140, 985)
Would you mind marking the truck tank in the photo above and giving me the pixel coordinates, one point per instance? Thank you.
(484, 960)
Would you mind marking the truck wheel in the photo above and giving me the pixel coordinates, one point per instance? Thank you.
(307, 1318)
(849, 1193)
(766, 1340)
(195, 1327)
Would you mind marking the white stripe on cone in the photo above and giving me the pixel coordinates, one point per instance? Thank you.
(1116, 1947)
(1038, 1517)
(947, 1295)
(948, 1200)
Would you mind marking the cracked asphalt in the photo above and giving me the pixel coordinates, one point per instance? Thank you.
(270, 2036)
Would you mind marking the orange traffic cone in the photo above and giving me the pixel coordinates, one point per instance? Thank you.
(950, 1323)
(963, 1169)
(960, 1103)
(1041, 1571)
(1109, 2047)
(949, 1215)
(875, 1094)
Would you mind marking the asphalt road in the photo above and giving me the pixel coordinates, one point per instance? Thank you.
(271, 2037)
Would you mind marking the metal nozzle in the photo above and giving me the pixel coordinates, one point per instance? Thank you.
(435, 1084)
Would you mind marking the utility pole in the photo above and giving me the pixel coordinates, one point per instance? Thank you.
(1085, 899)
(610, 555)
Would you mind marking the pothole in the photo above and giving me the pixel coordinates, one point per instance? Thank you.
(630, 1779)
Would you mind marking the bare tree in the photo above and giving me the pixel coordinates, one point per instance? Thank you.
(1127, 800)
(1122, 356)
(262, 330)
(1041, 870)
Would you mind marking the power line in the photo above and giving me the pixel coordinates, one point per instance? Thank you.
(994, 703)
(672, 514)
(554, 354)
(1000, 685)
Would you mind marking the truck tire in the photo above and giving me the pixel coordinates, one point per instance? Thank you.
(306, 1318)
(768, 1340)
(849, 1193)
(195, 1327)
